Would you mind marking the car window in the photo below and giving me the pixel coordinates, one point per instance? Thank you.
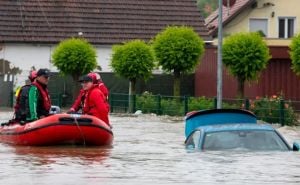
(250, 140)
(193, 140)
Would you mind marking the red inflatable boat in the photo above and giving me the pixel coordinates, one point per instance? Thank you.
(58, 129)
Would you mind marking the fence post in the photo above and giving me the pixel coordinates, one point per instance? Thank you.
(186, 105)
(11, 99)
(110, 99)
(158, 110)
(215, 103)
(281, 113)
(247, 104)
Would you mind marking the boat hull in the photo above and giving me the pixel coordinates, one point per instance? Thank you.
(58, 129)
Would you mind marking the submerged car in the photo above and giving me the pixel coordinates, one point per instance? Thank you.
(232, 129)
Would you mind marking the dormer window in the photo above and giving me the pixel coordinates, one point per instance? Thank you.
(286, 27)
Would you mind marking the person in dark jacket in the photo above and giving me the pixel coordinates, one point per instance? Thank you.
(22, 97)
(33, 101)
(39, 102)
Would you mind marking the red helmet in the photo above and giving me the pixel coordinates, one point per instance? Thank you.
(32, 75)
(93, 76)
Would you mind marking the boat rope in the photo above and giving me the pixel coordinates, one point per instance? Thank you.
(80, 131)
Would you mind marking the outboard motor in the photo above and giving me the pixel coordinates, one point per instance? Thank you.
(55, 110)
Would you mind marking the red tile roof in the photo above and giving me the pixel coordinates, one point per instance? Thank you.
(228, 14)
(100, 21)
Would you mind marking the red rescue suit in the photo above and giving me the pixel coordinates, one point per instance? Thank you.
(80, 98)
(103, 89)
(79, 101)
(95, 104)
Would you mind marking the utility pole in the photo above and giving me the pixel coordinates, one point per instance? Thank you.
(220, 64)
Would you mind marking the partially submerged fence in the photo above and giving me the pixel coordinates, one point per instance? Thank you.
(270, 109)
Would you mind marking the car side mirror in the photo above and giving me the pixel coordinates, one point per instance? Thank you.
(296, 146)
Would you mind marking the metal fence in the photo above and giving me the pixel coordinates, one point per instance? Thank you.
(6, 91)
(271, 109)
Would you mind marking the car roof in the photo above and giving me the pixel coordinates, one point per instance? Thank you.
(236, 127)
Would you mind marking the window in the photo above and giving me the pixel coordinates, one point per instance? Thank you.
(259, 25)
(254, 140)
(286, 27)
(193, 141)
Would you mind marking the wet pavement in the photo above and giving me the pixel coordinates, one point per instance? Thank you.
(146, 150)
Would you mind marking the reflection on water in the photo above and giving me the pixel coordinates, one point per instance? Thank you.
(146, 150)
(47, 155)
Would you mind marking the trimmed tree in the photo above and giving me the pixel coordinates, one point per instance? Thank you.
(133, 60)
(245, 55)
(178, 50)
(295, 54)
(74, 57)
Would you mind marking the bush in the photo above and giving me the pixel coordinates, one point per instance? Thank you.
(268, 109)
(295, 54)
(133, 60)
(201, 103)
(147, 103)
(74, 57)
(245, 55)
(172, 106)
(178, 50)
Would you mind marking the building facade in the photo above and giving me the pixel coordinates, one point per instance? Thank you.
(30, 30)
(278, 21)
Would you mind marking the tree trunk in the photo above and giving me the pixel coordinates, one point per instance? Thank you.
(241, 87)
(132, 91)
(176, 90)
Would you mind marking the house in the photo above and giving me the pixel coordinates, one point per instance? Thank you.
(29, 30)
(278, 21)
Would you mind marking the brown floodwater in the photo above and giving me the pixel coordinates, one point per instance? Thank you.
(146, 150)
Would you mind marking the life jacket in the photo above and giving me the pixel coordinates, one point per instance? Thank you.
(86, 106)
(22, 103)
(44, 94)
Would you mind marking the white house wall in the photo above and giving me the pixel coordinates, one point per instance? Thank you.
(25, 56)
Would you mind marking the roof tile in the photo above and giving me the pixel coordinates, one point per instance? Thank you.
(100, 21)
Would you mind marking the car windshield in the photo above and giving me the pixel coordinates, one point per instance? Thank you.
(249, 140)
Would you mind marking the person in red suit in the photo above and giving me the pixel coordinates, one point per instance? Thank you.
(78, 104)
(101, 84)
(93, 101)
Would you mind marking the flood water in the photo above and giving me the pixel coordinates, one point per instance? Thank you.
(146, 150)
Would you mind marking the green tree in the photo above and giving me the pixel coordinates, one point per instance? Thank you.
(74, 57)
(245, 55)
(178, 50)
(133, 60)
(295, 54)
